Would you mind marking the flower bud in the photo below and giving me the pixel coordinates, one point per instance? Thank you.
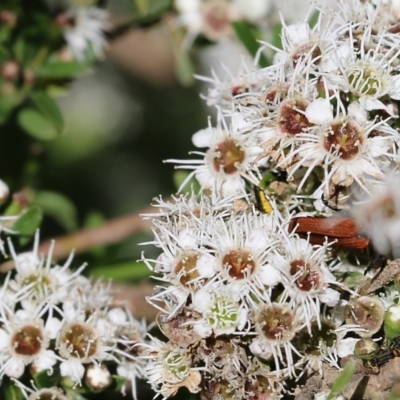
(4, 192)
(366, 349)
(391, 324)
(98, 377)
(10, 70)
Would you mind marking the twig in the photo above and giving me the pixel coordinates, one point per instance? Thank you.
(113, 231)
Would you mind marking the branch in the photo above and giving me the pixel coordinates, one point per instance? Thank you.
(113, 231)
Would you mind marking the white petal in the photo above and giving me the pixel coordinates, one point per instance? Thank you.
(46, 360)
(117, 316)
(52, 327)
(4, 339)
(15, 367)
(319, 111)
(72, 368)
(330, 297)
(203, 137)
(346, 347)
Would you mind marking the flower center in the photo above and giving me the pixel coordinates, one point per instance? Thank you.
(80, 340)
(186, 268)
(177, 365)
(292, 119)
(308, 49)
(318, 341)
(228, 155)
(345, 139)
(223, 314)
(42, 283)
(367, 79)
(216, 20)
(27, 341)
(306, 277)
(276, 322)
(239, 263)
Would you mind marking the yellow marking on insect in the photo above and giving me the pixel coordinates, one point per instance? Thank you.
(263, 203)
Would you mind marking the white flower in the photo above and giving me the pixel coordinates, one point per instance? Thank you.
(221, 310)
(380, 217)
(227, 161)
(252, 10)
(24, 340)
(87, 31)
(306, 276)
(169, 368)
(241, 245)
(38, 279)
(83, 340)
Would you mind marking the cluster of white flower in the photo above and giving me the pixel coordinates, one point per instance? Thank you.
(56, 321)
(84, 31)
(254, 294)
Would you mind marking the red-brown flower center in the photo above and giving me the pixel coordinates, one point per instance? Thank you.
(239, 263)
(344, 138)
(228, 156)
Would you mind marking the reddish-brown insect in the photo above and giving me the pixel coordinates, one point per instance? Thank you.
(342, 231)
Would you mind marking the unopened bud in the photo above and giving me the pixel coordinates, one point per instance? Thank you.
(98, 377)
(366, 349)
(391, 324)
(4, 192)
(8, 18)
(10, 70)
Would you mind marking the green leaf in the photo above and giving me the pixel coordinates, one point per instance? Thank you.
(118, 382)
(58, 207)
(342, 380)
(61, 70)
(44, 380)
(7, 104)
(131, 270)
(246, 36)
(276, 36)
(184, 67)
(150, 10)
(36, 125)
(10, 391)
(73, 395)
(26, 225)
(142, 6)
(49, 109)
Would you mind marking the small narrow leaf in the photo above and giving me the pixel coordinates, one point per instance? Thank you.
(26, 225)
(45, 380)
(61, 70)
(118, 382)
(73, 395)
(184, 67)
(58, 207)
(245, 34)
(36, 125)
(49, 109)
(342, 380)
